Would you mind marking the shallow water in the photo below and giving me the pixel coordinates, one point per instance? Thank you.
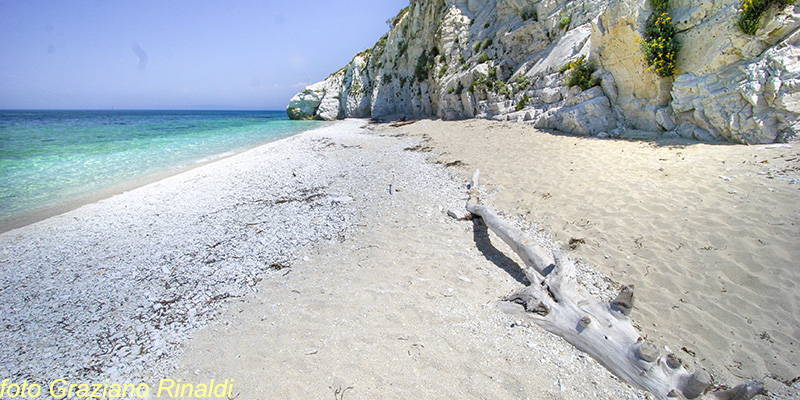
(49, 157)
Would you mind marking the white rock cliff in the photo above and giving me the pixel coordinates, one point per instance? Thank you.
(502, 59)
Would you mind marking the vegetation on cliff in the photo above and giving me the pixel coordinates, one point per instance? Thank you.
(752, 10)
(660, 46)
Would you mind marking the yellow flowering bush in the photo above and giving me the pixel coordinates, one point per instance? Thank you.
(659, 46)
(579, 73)
(750, 14)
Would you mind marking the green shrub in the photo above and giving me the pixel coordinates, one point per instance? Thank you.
(564, 22)
(483, 58)
(528, 13)
(579, 73)
(752, 10)
(493, 73)
(659, 6)
(423, 67)
(380, 46)
(484, 84)
(355, 88)
(504, 90)
(660, 47)
(486, 25)
(387, 78)
(402, 46)
(442, 70)
(393, 21)
(522, 103)
(461, 59)
(523, 83)
(476, 47)
(486, 43)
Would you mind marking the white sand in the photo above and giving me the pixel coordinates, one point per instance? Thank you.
(708, 234)
(406, 309)
(386, 296)
(113, 288)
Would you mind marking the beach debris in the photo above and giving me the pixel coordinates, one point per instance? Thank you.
(575, 242)
(456, 163)
(459, 215)
(399, 123)
(559, 304)
(341, 200)
(338, 394)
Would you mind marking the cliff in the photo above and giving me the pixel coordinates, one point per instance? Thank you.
(578, 66)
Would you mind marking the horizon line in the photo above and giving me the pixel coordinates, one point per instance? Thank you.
(140, 109)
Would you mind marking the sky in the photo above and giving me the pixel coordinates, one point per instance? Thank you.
(177, 54)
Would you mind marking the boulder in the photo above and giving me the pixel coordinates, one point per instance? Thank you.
(304, 105)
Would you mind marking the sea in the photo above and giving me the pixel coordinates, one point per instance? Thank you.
(51, 158)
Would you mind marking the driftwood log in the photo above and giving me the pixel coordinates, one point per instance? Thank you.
(557, 303)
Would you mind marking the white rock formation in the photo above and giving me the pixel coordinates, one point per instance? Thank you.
(496, 59)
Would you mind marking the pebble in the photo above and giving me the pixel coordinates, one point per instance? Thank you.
(174, 251)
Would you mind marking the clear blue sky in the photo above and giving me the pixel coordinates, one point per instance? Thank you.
(177, 54)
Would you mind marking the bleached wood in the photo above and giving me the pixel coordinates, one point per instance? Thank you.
(556, 302)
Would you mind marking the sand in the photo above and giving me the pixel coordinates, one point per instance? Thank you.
(407, 308)
(325, 265)
(708, 234)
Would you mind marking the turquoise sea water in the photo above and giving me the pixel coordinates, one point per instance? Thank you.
(48, 157)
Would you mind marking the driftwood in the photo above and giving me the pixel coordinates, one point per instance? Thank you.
(556, 302)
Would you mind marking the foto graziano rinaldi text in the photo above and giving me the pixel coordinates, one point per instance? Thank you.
(167, 388)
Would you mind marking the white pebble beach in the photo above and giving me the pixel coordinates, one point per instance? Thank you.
(325, 265)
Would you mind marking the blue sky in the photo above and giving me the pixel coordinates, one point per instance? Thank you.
(177, 54)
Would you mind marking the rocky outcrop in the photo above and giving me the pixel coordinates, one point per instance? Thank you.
(503, 59)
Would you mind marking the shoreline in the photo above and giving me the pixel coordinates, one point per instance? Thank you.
(30, 217)
(150, 265)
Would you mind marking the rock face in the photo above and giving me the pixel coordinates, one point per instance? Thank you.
(503, 59)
